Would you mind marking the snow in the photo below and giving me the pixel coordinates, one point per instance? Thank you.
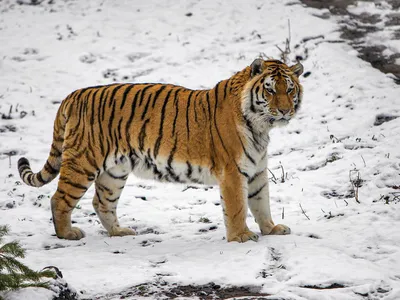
(49, 50)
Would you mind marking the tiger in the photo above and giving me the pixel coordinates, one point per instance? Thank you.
(170, 133)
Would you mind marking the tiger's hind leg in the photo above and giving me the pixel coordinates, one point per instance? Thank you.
(73, 183)
(108, 190)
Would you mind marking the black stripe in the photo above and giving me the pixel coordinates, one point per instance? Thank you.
(209, 107)
(24, 172)
(91, 160)
(112, 200)
(147, 105)
(119, 129)
(101, 101)
(58, 139)
(103, 188)
(30, 179)
(49, 168)
(133, 158)
(93, 107)
(113, 93)
(255, 176)
(131, 116)
(143, 93)
(76, 170)
(254, 138)
(80, 92)
(242, 172)
(99, 117)
(195, 105)
(252, 108)
(176, 103)
(55, 153)
(154, 100)
(64, 194)
(158, 94)
(98, 196)
(215, 117)
(225, 88)
(160, 132)
(187, 113)
(210, 128)
(103, 105)
(252, 195)
(113, 104)
(246, 153)
(86, 102)
(69, 204)
(142, 135)
(107, 153)
(102, 116)
(169, 168)
(124, 177)
(189, 170)
(111, 121)
(40, 178)
(125, 95)
(74, 184)
(23, 162)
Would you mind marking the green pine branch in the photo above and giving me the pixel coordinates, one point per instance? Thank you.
(13, 273)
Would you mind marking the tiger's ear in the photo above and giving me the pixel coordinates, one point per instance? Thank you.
(256, 67)
(297, 69)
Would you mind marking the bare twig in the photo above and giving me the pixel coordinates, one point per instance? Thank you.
(283, 174)
(306, 39)
(302, 210)
(286, 52)
(363, 160)
(355, 183)
(283, 213)
(273, 179)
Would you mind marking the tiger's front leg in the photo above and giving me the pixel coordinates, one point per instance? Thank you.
(258, 198)
(233, 188)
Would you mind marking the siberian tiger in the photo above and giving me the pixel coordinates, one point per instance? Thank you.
(174, 134)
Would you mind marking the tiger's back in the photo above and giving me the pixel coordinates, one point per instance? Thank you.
(161, 131)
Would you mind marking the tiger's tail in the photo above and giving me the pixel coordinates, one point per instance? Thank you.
(52, 166)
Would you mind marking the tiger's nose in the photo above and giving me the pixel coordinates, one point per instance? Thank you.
(283, 111)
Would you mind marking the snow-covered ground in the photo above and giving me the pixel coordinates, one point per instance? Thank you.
(340, 150)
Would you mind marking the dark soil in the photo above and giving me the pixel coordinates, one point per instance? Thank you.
(356, 27)
(210, 291)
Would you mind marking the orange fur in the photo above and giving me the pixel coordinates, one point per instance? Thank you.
(173, 133)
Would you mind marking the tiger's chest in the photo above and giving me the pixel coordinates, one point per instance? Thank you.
(254, 157)
(253, 162)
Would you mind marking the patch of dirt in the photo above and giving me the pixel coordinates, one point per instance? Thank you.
(354, 28)
(210, 291)
(382, 118)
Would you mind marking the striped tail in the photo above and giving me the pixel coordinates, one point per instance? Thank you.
(53, 163)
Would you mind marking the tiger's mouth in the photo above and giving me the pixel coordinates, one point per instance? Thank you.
(278, 121)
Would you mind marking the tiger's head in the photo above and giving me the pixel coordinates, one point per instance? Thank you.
(273, 94)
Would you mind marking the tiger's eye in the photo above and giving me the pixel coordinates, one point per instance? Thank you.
(271, 91)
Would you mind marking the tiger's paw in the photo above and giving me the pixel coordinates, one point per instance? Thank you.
(280, 229)
(74, 234)
(122, 231)
(243, 237)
